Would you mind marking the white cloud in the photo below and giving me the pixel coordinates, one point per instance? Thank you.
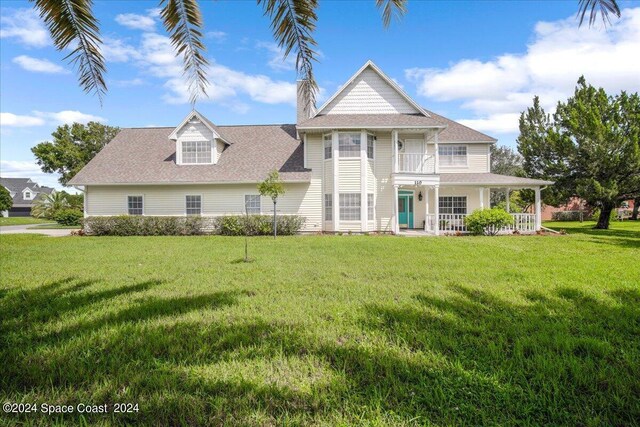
(25, 26)
(69, 116)
(277, 61)
(14, 120)
(39, 65)
(115, 50)
(129, 83)
(218, 36)
(136, 22)
(496, 91)
(28, 169)
(40, 118)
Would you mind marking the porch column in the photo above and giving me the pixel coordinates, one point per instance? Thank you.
(437, 209)
(538, 209)
(426, 208)
(394, 147)
(394, 225)
(508, 193)
(481, 191)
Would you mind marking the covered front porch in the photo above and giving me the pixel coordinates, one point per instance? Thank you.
(437, 209)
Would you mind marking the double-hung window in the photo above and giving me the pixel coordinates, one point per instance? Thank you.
(328, 149)
(349, 144)
(252, 204)
(350, 207)
(452, 155)
(328, 207)
(194, 204)
(135, 205)
(453, 205)
(371, 140)
(196, 152)
(370, 207)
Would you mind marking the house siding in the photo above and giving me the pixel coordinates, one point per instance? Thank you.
(369, 94)
(382, 176)
(477, 159)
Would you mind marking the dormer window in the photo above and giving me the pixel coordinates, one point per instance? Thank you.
(197, 152)
(28, 195)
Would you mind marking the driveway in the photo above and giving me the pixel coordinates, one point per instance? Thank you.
(28, 229)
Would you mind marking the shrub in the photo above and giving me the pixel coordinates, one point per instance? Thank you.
(257, 225)
(568, 216)
(68, 216)
(133, 225)
(487, 221)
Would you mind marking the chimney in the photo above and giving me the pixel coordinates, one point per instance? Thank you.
(304, 109)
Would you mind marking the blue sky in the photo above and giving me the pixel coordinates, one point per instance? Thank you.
(479, 62)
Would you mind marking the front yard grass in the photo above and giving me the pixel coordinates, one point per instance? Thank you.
(22, 220)
(325, 330)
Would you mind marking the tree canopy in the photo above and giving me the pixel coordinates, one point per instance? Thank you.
(72, 148)
(590, 147)
(6, 202)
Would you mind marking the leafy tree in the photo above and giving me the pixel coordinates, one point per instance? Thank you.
(48, 205)
(74, 28)
(72, 148)
(590, 149)
(272, 187)
(6, 201)
(507, 161)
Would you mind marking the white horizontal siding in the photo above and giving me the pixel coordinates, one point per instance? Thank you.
(349, 175)
(369, 94)
(384, 187)
(194, 132)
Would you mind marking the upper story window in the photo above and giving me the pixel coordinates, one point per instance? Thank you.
(135, 205)
(28, 195)
(193, 204)
(328, 149)
(197, 152)
(452, 155)
(371, 139)
(349, 144)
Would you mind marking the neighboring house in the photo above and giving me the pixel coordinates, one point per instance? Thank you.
(369, 159)
(23, 191)
(578, 206)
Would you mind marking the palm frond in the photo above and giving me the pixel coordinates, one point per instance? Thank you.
(391, 9)
(292, 24)
(72, 21)
(183, 21)
(605, 7)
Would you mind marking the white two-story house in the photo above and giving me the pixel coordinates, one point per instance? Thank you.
(369, 160)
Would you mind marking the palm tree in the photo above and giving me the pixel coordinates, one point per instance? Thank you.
(46, 205)
(72, 23)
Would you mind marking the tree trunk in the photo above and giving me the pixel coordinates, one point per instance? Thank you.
(636, 208)
(605, 215)
(275, 224)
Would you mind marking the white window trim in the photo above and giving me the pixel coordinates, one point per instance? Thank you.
(350, 158)
(24, 195)
(185, 203)
(375, 143)
(453, 195)
(179, 151)
(324, 135)
(244, 203)
(466, 165)
(126, 201)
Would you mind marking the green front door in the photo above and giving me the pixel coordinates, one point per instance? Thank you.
(405, 210)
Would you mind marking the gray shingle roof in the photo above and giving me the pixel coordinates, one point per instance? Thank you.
(146, 155)
(17, 185)
(489, 179)
(456, 132)
(369, 121)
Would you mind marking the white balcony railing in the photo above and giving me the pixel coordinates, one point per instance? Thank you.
(416, 163)
(452, 223)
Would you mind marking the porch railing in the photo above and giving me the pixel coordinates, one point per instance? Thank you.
(453, 223)
(416, 163)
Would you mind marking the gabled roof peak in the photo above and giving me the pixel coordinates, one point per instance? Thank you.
(196, 115)
(371, 65)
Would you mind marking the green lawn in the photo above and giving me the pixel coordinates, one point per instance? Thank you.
(326, 330)
(22, 220)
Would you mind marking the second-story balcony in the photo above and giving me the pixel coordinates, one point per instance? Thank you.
(416, 163)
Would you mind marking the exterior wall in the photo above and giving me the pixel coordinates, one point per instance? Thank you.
(217, 199)
(472, 193)
(384, 197)
(477, 159)
(369, 94)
